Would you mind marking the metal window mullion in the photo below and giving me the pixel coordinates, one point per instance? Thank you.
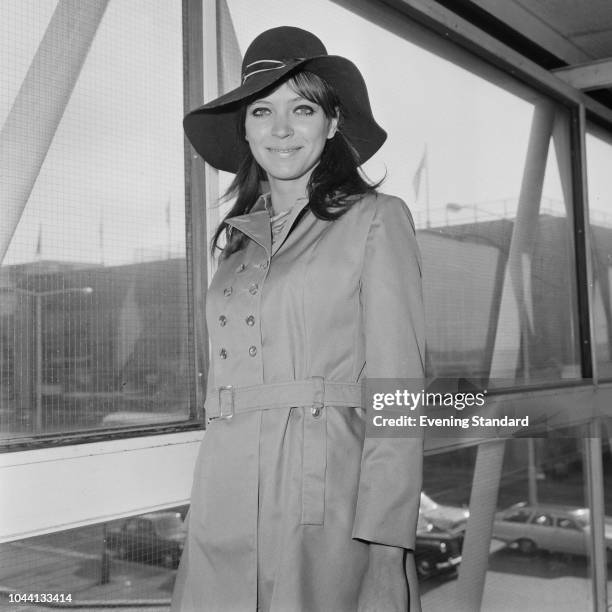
(196, 240)
(583, 246)
(595, 495)
(211, 68)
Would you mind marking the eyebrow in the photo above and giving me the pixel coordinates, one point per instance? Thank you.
(266, 101)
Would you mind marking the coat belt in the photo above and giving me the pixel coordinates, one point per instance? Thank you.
(224, 402)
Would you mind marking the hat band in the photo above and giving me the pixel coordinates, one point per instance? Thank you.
(276, 65)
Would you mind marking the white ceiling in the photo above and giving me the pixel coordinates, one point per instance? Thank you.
(576, 31)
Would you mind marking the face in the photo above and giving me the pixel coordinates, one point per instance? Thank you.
(287, 134)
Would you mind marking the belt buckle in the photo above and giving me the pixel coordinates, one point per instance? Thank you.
(222, 414)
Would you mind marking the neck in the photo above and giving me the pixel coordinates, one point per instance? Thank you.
(284, 194)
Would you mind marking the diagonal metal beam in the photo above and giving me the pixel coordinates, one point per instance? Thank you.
(29, 129)
(516, 297)
(483, 501)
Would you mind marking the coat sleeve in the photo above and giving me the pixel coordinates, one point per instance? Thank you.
(394, 326)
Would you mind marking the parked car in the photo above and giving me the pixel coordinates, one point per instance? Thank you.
(156, 537)
(551, 527)
(445, 517)
(437, 550)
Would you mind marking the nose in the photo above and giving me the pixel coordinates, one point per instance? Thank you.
(281, 127)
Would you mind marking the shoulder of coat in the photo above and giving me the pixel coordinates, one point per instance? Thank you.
(390, 207)
(379, 199)
(378, 205)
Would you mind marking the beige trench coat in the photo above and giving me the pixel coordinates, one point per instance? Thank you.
(285, 500)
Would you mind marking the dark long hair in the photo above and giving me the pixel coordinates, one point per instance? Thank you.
(335, 184)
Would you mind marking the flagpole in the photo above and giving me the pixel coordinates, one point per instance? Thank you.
(427, 188)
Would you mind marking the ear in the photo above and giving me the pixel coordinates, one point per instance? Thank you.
(333, 126)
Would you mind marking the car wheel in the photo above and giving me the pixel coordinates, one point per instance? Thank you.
(526, 546)
(424, 568)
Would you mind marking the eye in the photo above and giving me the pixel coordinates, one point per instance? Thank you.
(305, 110)
(259, 111)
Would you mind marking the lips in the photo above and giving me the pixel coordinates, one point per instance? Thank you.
(283, 151)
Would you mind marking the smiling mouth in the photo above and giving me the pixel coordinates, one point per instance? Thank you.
(283, 151)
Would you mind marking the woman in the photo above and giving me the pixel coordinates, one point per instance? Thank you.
(318, 286)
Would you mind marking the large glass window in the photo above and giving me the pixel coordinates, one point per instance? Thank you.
(93, 279)
(599, 182)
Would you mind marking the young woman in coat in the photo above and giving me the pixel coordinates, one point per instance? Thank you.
(318, 286)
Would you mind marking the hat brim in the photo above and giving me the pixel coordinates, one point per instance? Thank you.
(213, 130)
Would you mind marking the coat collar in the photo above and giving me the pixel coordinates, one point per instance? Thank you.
(256, 224)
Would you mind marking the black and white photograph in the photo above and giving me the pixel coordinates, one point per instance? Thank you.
(306, 306)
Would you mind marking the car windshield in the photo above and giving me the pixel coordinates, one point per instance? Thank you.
(170, 526)
(427, 504)
(423, 525)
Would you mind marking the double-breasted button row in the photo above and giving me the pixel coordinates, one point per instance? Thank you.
(252, 352)
(250, 321)
(245, 277)
(253, 289)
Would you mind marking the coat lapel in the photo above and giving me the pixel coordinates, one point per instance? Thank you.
(256, 226)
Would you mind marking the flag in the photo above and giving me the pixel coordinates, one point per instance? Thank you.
(39, 242)
(416, 181)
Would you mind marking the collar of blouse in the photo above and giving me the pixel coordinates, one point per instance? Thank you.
(263, 226)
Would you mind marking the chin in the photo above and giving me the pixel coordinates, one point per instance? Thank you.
(286, 174)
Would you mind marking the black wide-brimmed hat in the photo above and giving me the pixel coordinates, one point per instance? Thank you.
(271, 58)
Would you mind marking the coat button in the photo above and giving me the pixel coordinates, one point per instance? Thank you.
(254, 288)
(227, 291)
(250, 320)
(222, 320)
(252, 351)
(223, 353)
(316, 411)
(241, 268)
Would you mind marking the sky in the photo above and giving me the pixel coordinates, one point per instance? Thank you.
(111, 189)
